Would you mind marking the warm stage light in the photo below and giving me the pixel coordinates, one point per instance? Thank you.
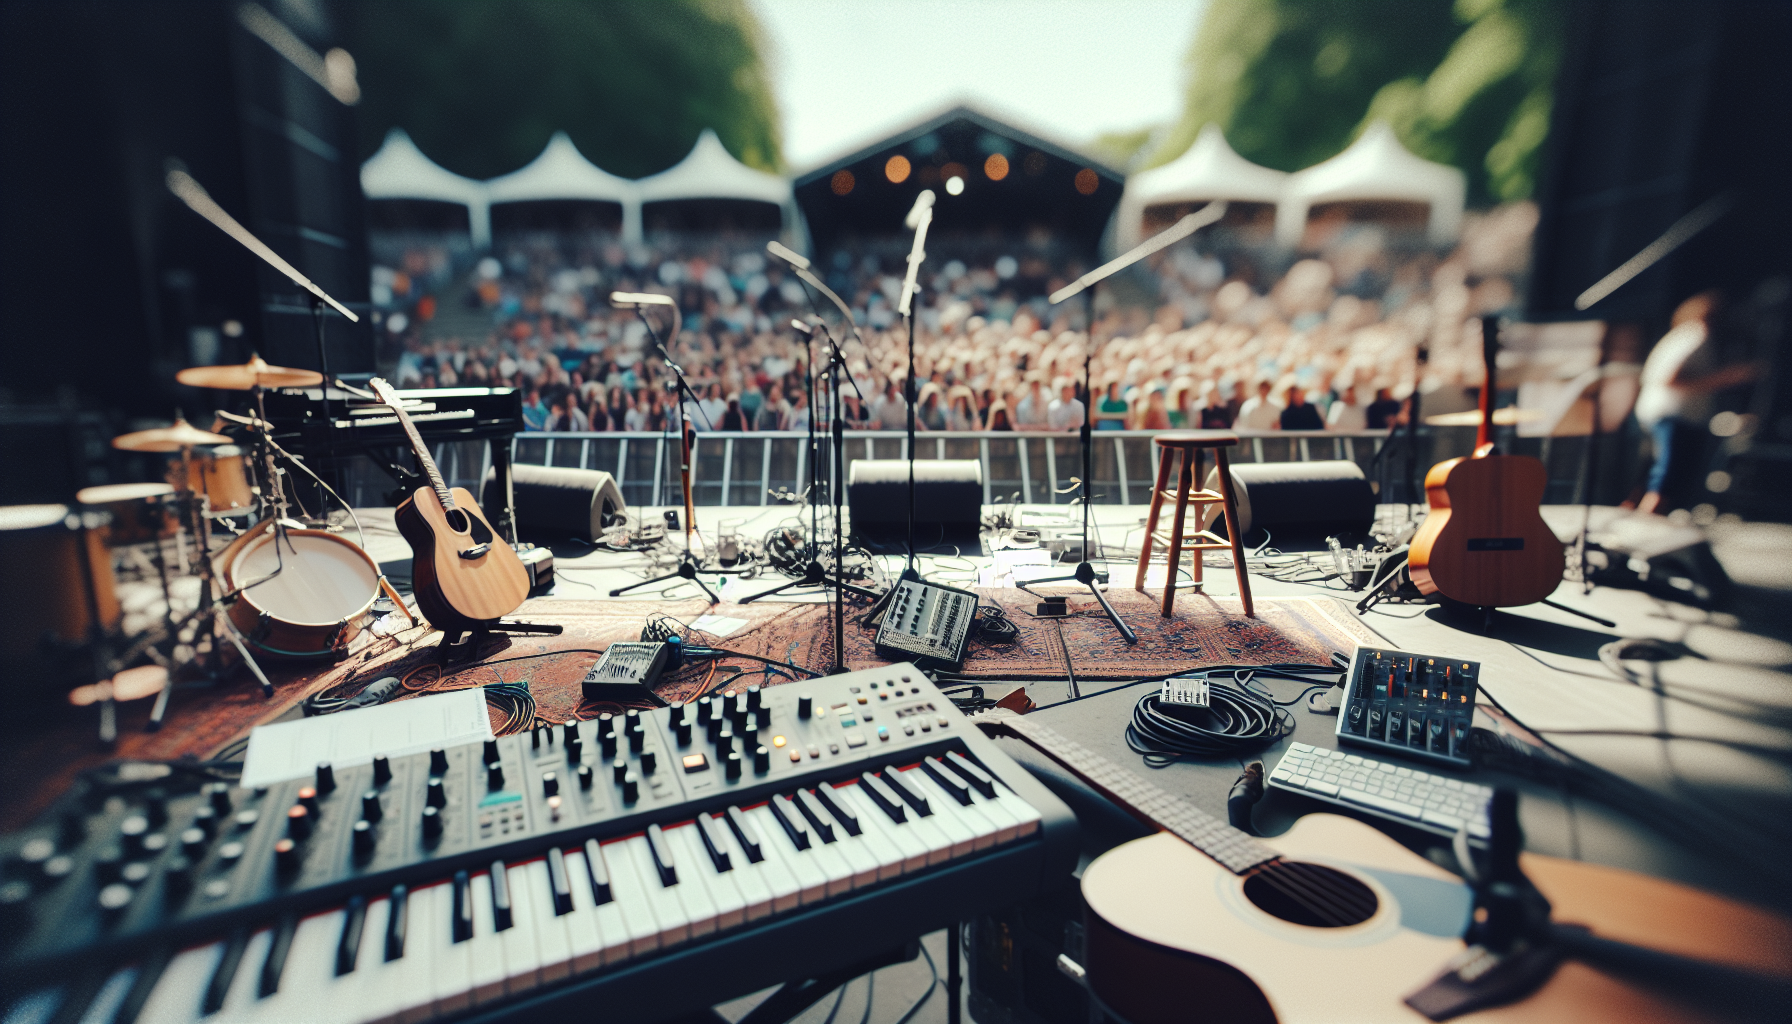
(996, 167)
(1087, 182)
(954, 185)
(843, 182)
(896, 169)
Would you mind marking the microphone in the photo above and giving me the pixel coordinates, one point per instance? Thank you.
(626, 299)
(805, 328)
(923, 202)
(787, 255)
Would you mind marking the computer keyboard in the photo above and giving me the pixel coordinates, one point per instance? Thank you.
(1406, 795)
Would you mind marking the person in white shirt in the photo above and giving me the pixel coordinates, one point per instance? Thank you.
(1066, 413)
(567, 416)
(888, 410)
(1260, 411)
(799, 413)
(1034, 409)
(1346, 413)
(1674, 401)
(635, 418)
(712, 407)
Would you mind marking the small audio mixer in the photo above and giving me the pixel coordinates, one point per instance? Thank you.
(1415, 704)
(927, 623)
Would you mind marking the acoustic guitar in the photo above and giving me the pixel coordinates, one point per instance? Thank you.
(1485, 542)
(463, 573)
(1334, 922)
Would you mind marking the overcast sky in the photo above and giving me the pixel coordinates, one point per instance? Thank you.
(848, 72)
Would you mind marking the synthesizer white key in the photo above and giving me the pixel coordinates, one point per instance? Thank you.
(108, 1000)
(864, 866)
(485, 950)
(1007, 827)
(981, 828)
(522, 958)
(241, 997)
(584, 936)
(177, 995)
(910, 854)
(450, 948)
(730, 907)
(898, 812)
(748, 842)
(639, 923)
(671, 860)
(846, 814)
(1024, 813)
(415, 980)
(668, 912)
(792, 830)
(812, 883)
(942, 818)
(336, 998)
(750, 878)
(310, 969)
(553, 944)
(378, 993)
(611, 926)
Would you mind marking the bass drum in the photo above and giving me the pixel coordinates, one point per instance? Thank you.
(43, 600)
(309, 598)
(221, 475)
(137, 513)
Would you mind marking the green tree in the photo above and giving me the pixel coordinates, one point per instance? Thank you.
(1292, 82)
(482, 84)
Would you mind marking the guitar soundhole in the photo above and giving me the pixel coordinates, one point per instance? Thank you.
(1310, 894)
(458, 521)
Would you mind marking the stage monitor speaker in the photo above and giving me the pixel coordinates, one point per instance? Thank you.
(948, 499)
(1308, 499)
(555, 502)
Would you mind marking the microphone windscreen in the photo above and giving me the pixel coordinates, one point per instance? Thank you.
(922, 202)
(787, 255)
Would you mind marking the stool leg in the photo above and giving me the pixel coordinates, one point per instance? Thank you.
(1182, 487)
(1231, 504)
(1157, 503)
(1194, 455)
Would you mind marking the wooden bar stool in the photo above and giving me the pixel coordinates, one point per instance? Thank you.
(1189, 444)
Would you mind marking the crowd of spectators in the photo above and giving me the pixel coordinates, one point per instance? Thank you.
(1215, 335)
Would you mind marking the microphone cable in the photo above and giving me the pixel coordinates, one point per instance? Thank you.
(1240, 716)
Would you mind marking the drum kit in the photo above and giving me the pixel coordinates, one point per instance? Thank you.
(279, 588)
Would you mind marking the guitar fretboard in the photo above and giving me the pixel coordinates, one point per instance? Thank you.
(403, 418)
(1233, 849)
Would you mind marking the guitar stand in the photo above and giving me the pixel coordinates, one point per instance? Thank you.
(687, 570)
(461, 647)
(813, 576)
(1085, 574)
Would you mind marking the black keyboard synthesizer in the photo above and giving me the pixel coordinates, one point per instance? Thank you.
(660, 861)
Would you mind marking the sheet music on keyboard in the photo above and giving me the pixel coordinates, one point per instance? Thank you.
(291, 750)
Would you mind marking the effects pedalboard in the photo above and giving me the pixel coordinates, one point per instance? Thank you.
(927, 623)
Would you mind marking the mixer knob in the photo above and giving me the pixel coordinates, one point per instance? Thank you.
(298, 821)
(432, 824)
(762, 760)
(193, 842)
(155, 807)
(749, 735)
(219, 796)
(131, 832)
(434, 795)
(648, 762)
(712, 722)
(741, 708)
(619, 769)
(573, 747)
(731, 765)
(606, 735)
(206, 820)
(570, 732)
(494, 777)
(805, 706)
(755, 697)
(108, 863)
(438, 762)
(491, 753)
(633, 719)
(765, 715)
(114, 898)
(364, 840)
(326, 778)
(631, 788)
(382, 770)
(682, 730)
(286, 856)
(584, 776)
(370, 806)
(550, 784)
(308, 799)
(177, 876)
(637, 738)
(676, 715)
(724, 742)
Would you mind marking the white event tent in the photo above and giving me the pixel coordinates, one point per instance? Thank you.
(562, 172)
(709, 171)
(1210, 169)
(1376, 167)
(400, 171)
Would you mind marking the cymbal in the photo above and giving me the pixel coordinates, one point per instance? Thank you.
(168, 439)
(131, 684)
(248, 375)
(1506, 417)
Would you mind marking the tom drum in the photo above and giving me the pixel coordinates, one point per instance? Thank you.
(134, 513)
(43, 600)
(221, 474)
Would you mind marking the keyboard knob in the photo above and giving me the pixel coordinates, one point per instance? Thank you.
(491, 752)
(114, 898)
(805, 706)
(438, 762)
(177, 876)
(382, 770)
(286, 856)
(155, 807)
(494, 777)
(219, 797)
(131, 832)
(205, 820)
(108, 863)
(682, 731)
(749, 735)
(193, 842)
(619, 769)
(755, 697)
(731, 765)
(326, 778)
(712, 723)
(432, 824)
(765, 715)
(637, 739)
(631, 788)
(762, 760)
(648, 762)
(573, 748)
(298, 822)
(434, 795)
(741, 709)
(364, 840)
(724, 742)
(370, 806)
(676, 715)
(308, 800)
(570, 731)
(550, 784)
(585, 775)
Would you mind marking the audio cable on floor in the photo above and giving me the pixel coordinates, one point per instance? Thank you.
(1241, 715)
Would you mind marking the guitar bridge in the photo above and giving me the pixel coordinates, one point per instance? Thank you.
(476, 551)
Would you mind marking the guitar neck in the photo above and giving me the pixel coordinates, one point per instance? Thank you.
(396, 404)
(1490, 348)
(1234, 850)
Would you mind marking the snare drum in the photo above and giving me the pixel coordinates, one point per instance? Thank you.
(220, 474)
(42, 598)
(320, 600)
(134, 513)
